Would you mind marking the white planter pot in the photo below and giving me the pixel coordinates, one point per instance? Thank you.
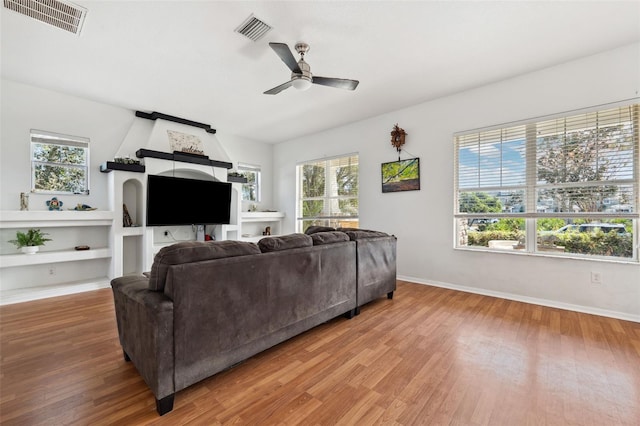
(30, 249)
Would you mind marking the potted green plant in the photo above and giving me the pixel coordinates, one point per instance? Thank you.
(30, 241)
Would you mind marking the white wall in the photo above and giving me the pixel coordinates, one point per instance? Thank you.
(242, 150)
(25, 107)
(422, 220)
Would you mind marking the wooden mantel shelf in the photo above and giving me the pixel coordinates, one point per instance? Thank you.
(183, 157)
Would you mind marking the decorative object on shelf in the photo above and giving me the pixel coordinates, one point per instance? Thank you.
(30, 241)
(79, 248)
(54, 204)
(126, 218)
(183, 142)
(126, 160)
(24, 201)
(267, 231)
(401, 175)
(83, 208)
(233, 176)
(397, 138)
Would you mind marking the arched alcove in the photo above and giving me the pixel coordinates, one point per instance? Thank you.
(132, 197)
(189, 174)
(132, 242)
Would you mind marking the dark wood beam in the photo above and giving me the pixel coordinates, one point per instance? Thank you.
(155, 115)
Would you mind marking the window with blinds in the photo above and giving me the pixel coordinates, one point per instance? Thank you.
(566, 184)
(59, 163)
(328, 193)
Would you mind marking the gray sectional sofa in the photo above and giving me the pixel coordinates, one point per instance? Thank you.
(206, 306)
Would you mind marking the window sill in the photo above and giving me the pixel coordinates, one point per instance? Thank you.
(549, 255)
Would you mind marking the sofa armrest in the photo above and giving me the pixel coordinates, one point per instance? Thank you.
(376, 268)
(145, 328)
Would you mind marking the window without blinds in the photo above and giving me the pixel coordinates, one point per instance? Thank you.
(59, 163)
(328, 193)
(566, 184)
(250, 189)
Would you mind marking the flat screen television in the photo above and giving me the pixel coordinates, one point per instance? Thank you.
(181, 201)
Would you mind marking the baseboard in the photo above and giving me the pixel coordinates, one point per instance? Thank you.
(533, 300)
(10, 297)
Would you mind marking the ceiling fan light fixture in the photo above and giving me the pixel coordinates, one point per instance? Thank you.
(302, 83)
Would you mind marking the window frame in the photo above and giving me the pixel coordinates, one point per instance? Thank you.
(532, 186)
(326, 198)
(250, 168)
(41, 137)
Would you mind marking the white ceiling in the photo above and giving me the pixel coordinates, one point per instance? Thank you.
(184, 58)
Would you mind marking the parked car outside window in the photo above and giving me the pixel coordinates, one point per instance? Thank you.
(592, 227)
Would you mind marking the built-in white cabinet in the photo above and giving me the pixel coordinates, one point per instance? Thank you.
(58, 268)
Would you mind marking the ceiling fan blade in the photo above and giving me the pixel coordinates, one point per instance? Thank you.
(279, 89)
(283, 51)
(340, 83)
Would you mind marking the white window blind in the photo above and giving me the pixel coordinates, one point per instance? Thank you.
(563, 185)
(583, 165)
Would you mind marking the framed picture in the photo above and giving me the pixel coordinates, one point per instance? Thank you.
(403, 175)
(184, 142)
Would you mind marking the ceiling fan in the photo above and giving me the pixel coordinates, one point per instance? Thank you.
(301, 77)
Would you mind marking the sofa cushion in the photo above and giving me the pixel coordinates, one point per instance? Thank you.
(194, 251)
(362, 234)
(313, 229)
(331, 237)
(355, 229)
(284, 242)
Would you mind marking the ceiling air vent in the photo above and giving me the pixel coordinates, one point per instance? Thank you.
(61, 14)
(253, 28)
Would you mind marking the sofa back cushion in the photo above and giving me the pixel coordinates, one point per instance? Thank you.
(356, 235)
(313, 229)
(194, 251)
(284, 242)
(332, 237)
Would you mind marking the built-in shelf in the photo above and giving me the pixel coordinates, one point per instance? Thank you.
(53, 256)
(24, 279)
(109, 166)
(183, 157)
(132, 231)
(261, 216)
(254, 223)
(44, 218)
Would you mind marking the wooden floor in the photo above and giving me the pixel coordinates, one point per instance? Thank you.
(430, 356)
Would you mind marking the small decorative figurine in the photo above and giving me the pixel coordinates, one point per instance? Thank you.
(55, 204)
(83, 207)
(24, 201)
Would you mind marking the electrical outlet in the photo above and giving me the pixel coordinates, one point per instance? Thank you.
(51, 270)
(596, 278)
